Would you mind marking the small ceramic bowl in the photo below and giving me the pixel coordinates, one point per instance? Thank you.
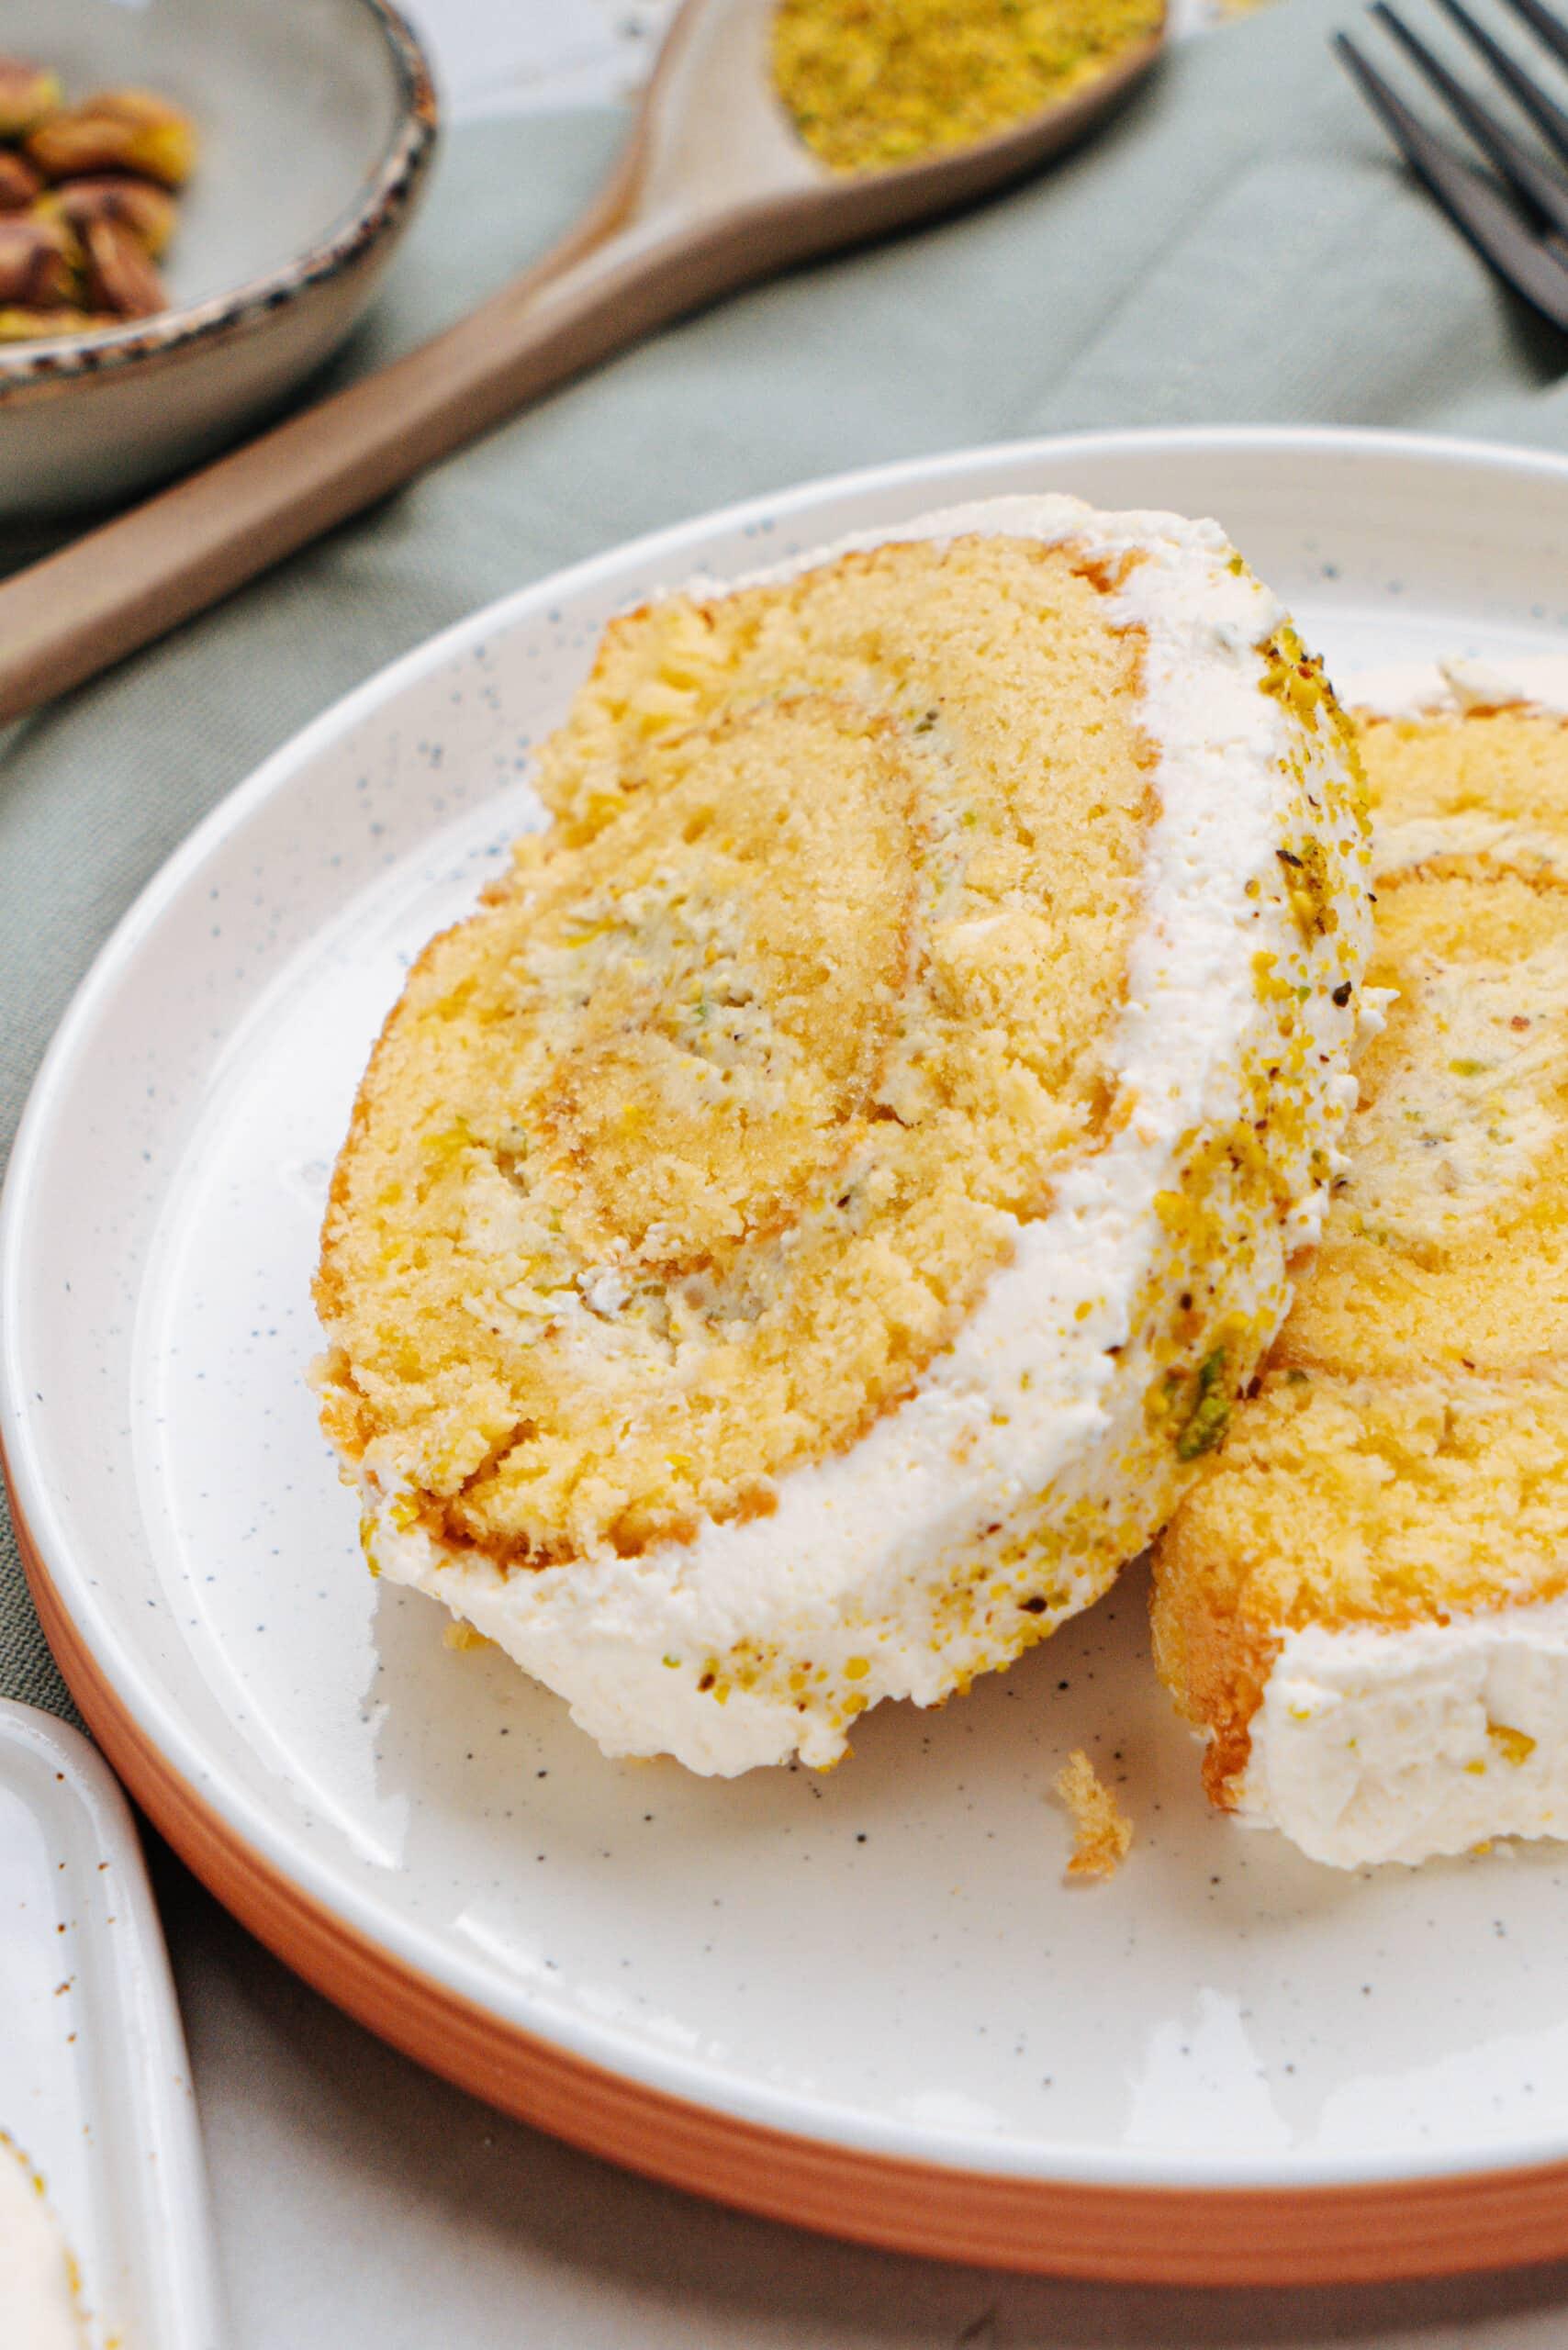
(317, 120)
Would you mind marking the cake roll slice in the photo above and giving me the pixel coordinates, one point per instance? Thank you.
(1363, 1604)
(799, 1236)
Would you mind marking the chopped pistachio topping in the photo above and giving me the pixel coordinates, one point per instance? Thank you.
(1202, 1414)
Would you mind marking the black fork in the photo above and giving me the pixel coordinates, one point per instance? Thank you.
(1518, 220)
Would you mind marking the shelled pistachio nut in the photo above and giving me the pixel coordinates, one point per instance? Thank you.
(36, 326)
(116, 131)
(19, 184)
(37, 263)
(28, 94)
(119, 276)
(148, 212)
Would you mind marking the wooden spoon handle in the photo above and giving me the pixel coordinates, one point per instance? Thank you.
(119, 587)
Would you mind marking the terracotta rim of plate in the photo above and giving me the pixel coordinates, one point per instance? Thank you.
(1229, 2236)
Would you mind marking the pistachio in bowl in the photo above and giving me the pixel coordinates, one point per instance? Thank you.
(197, 200)
(87, 202)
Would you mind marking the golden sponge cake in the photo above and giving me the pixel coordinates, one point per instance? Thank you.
(794, 1240)
(1362, 1604)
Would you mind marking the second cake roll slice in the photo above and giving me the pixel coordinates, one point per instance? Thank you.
(1364, 1606)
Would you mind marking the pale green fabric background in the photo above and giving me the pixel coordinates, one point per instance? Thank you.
(1237, 246)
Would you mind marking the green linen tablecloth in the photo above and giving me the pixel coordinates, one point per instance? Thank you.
(1238, 245)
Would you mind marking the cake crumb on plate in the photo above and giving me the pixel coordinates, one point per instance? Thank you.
(1102, 1832)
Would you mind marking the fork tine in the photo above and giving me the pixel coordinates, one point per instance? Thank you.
(1472, 202)
(1519, 167)
(1544, 25)
(1549, 118)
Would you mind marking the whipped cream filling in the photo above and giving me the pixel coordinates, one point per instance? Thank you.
(38, 2278)
(1042, 1396)
(1399, 1745)
(1373, 1745)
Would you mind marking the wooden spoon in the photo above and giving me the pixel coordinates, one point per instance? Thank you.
(714, 190)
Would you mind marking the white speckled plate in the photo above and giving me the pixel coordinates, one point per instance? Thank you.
(94, 2089)
(865, 2001)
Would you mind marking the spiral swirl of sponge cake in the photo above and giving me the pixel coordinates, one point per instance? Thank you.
(770, 1041)
(689, 1174)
